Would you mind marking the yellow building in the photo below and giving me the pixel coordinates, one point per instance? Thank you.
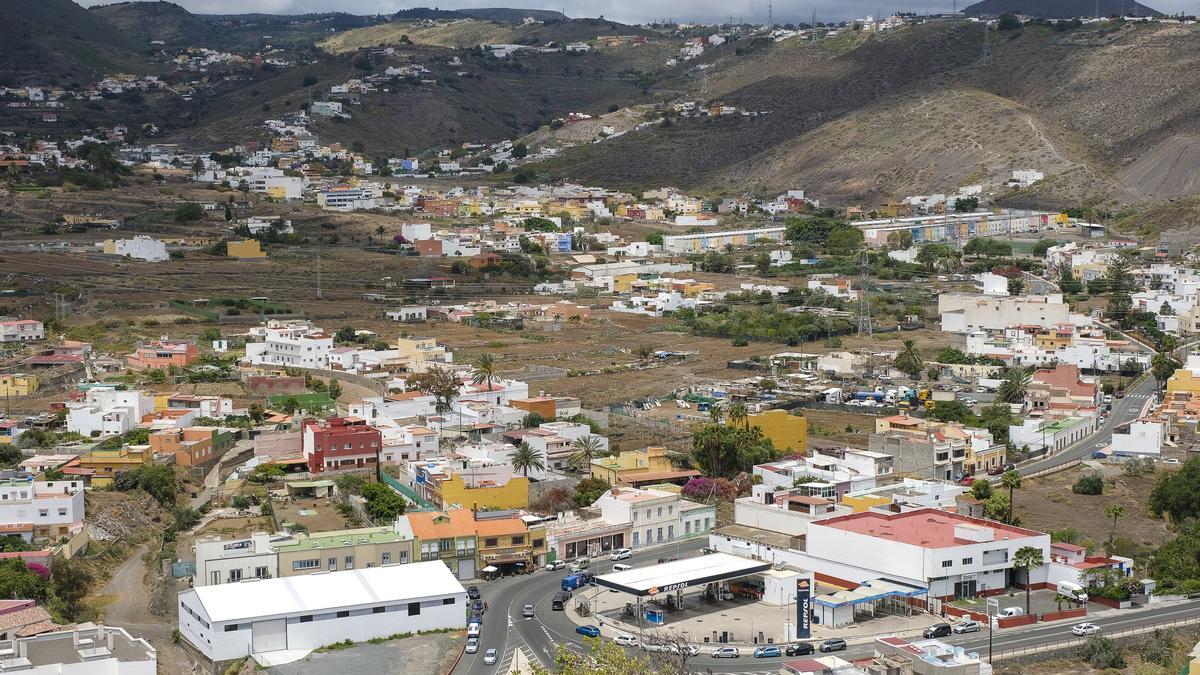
(623, 283)
(863, 503)
(787, 432)
(247, 249)
(635, 467)
(418, 354)
(106, 464)
(17, 385)
(277, 192)
(512, 495)
(1184, 381)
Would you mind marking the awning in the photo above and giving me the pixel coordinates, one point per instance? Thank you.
(490, 568)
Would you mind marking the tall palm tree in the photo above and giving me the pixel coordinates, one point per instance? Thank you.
(738, 414)
(1163, 366)
(1115, 511)
(1010, 480)
(1014, 387)
(524, 458)
(483, 369)
(586, 449)
(911, 360)
(1027, 558)
(714, 414)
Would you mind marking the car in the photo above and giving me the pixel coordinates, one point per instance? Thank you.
(477, 606)
(476, 617)
(995, 470)
(1010, 611)
(472, 630)
(726, 653)
(1085, 628)
(626, 640)
(472, 645)
(690, 650)
(1010, 467)
(833, 645)
(937, 630)
(799, 649)
(967, 626)
(588, 630)
(1120, 394)
(956, 389)
(527, 611)
(1099, 455)
(767, 652)
(621, 567)
(555, 565)
(1108, 398)
(1170, 460)
(966, 480)
(489, 657)
(473, 592)
(620, 554)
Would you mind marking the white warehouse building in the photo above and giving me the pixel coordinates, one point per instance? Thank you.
(231, 621)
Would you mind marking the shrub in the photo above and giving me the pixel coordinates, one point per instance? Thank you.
(1102, 653)
(1092, 484)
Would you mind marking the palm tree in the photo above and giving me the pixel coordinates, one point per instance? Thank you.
(1010, 480)
(1026, 558)
(714, 413)
(1115, 511)
(1163, 366)
(380, 231)
(739, 415)
(1014, 387)
(524, 458)
(484, 370)
(586, 449)
(910, 360)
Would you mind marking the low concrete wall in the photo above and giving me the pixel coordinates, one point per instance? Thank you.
(1014, 621)
(1065, 614)
(965, 613)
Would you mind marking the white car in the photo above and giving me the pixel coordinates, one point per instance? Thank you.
(620, 554)
(1170, 460)
(556, 565)
(472, 630)
(726, 653)
(966, 627)
(1085, 629)
(489, 657)
(626, 640)
(472, 645)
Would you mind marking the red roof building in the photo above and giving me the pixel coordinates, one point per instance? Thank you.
(340, 443)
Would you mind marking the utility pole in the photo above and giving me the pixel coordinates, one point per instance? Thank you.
(770, 15)
(319, 295)
(987, 44)
(864, 295)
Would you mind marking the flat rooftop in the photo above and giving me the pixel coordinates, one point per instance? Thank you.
(48, 649)
(680, 574)
(928, 528)
(379, 535)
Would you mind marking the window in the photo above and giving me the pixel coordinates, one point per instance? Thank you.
(491, 541)
(660, 534)
(235, 575)
(447, 601)
(538, 543)
(518, 541)
(229, 628)
(349, 562)
(445, 544)
(635, 516)
(968, 561)
(660, 512)
(687, 527)
(307, 618)
(947, 563)
(635, 538)
(385, 558)
(414, 609)
(333, 564)
(670, 532)
(311, 564)
(261, 573)
(647, 514)
(670, 509)
(706, 523)
(379, 610)
(42, 513)
(343, 614)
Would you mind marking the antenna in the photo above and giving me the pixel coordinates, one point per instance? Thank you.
(864, 296)
(770, 15)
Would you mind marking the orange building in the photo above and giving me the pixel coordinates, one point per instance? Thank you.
(191, 446)
(163, 354)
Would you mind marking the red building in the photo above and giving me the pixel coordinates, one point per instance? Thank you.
(338, 443)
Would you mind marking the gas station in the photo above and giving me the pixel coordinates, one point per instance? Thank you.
(694, 589)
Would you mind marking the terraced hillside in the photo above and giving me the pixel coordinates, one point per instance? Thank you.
(473, 32)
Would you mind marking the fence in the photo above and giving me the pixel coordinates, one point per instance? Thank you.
(183, 568)
(1042, 652)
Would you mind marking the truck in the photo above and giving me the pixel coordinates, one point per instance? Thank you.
(1072, 590)
(573, 581)
(876, 396)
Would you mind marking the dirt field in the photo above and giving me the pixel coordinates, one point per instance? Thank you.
(317, 515)
(1047, 504)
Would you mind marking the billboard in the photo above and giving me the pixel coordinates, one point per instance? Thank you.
(803, 609)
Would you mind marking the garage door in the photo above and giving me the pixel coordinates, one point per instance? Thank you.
(269, 636)
(466, 569)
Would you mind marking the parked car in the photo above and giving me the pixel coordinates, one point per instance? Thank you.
(472, 645)
(1120, 394)
(473, 592)
(1099, 455)
(1085, 628)
(966, 480)
(833, 645)
(967, 626)
(477, 606)
(527, 611)
(799, 649)
(489, 657)
(621, 567)
(626, 640)
(937, 630)
(588, 630)
(1010, 611)
(556, 565)
(1108, 398)
(995, 470)
(620, 554)
(1010, 467)
(1170, 460)
(472, 630)
(767, 652)
(726, 653)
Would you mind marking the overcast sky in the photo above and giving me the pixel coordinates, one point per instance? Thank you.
(630, 11)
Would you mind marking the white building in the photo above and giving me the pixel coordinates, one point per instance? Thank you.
(303, 613)
(106, 411)
(22, 330)
(1055, 434)
(1138, 438)
(86, 649)
(968, 312)
(407, 313)
(221, 561)
(297, 345)
(1025, 177)
(41, 509)
(138, 248)
(705, 241)
(991, 284)
(655, 516)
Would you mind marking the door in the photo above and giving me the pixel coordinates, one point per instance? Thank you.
(269, 636)
(466, 569)
(965, 589)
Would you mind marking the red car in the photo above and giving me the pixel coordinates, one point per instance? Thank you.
(967, 480)
(995, 470)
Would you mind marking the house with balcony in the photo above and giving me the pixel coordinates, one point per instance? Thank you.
(636, 468)
(419, 354)
(338, 443)
(22, 330)
(107, 411)
(655, 516)
(467, 482)
(508, 543)
(100, 468)
(41, 509)
(163, 353)
(291, 344)
(448, 536)
(1062, 390)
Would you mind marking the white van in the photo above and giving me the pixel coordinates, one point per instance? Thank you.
(1072, 590)
(1010, 611)
(621, 567)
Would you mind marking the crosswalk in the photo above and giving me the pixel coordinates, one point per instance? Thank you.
(510, 662)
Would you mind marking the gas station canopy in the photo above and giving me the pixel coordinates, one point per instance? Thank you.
(681, 574)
